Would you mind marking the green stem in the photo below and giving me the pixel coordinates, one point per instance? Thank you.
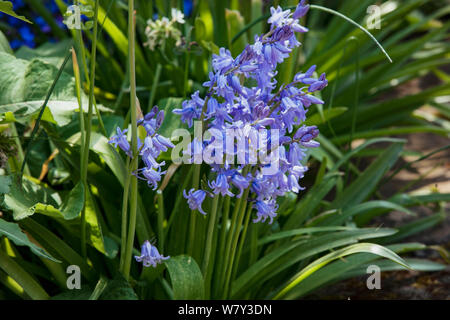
(186, 74)
(235, 239)
(226, 255)
(312, 6)
(123, 238)
(85, 159)
(151, 100)
(210, 235)
(223, 234)
(78, 81)
(78, 37)
(193, 220)
(20, 153)
(241, 241)
(159, 194)
(134, 161)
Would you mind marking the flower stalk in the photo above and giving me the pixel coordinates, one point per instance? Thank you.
(88, 127)
(134, 151)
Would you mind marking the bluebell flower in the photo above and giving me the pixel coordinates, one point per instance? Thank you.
(306, 77)
(42, 24)
(149, 153)
(150, 175)
(278, 16)
(305, 135)
(161, 143)
(120, 139)
(223, 62)
(301, 10)
(221, 185)
(240, 182)
(149, 150)
(150, 255)
(319, 84)
(265, 210)
(191, 109)
(195, 199)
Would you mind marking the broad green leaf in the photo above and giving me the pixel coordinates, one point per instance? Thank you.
(186, 277)
(347, 156)
(4, 44)
(73, 205)
(171, 121)
(31, 198)
(319, 263)
(69, 209)
(13, 232)
(99, 144)
(94, 230)
(118, 289)
(23, 199)
(7, 7)
(5, 183)
(51, 53)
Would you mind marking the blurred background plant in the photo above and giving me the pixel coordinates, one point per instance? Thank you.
(369, 102)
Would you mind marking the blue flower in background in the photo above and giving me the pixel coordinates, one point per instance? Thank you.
(21, 33)
(17, 4)
(188, 6)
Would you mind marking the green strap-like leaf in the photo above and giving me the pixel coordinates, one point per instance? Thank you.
(360, 189)
(23, 278)
(351, 267)
(319, 263)
(274, 262)
(13, 232)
